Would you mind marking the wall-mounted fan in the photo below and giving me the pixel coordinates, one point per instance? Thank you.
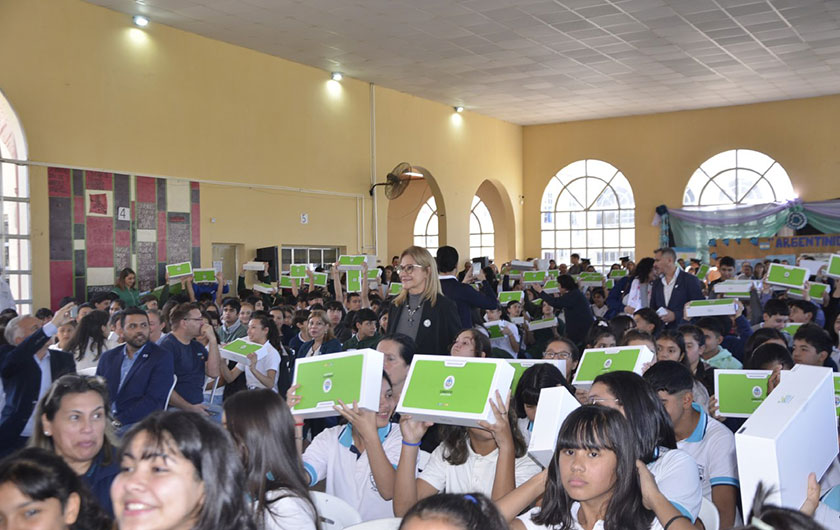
(399, 178)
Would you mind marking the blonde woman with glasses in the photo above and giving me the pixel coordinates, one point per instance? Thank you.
(421, 311)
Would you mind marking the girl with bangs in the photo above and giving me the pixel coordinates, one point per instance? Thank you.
(594, 481)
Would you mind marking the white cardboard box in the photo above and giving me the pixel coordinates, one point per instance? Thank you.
(543, 323)
(346, 376)
(791, 434)
(554, 406)
(265, 288)
(702, 308)
(597, 361)
(254, 266)
(734, 286)
(519, 265)
(454, 390)
(371, 262)
(813, 266)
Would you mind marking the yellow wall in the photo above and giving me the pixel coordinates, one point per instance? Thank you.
(92, 91)
(658, 153)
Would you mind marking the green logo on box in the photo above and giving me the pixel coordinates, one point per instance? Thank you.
(741, 394)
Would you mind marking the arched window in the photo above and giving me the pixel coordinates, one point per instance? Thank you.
(482, 241)
(588, 208)
(736, 177)
(14, 205)
(426, 226)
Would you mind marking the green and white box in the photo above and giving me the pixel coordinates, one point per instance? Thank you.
(354, 281)
(285, 282)
(833, 269)
(543, 323)
(740, 392)
(813, 266)
(454, 390)
(319, 279)
(506, 297)
(702, 308)
(355, 262)
(297, 271)
(265, 288)
(837, 393)
(787, 276)
(394, 288)
(591, 279)
(553, 274)
(179, 270)
(347, 376)
(517, 320)
(595, 362)
(494, 328)
(618, 273)
(733, 286)
(702, 272)
(554, 406)
(238, 351)
(254, 266)
(520, 365)
(792, 328)
(204, 275)
(520, 265)
(533, 276)
(791, 434)
(816, 292)
(551, 286)
(609, 284)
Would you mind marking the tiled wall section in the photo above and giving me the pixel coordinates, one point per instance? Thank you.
(102, 222)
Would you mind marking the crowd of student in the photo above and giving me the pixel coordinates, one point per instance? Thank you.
(86, 388)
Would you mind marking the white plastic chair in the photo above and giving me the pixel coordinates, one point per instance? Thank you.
(169, 395)
(709, 515)
(90, 371)
(391, 523)
(334, 513)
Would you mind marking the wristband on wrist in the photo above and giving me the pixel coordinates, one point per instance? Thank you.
(411, 444)
(299, 424)
(674, 518)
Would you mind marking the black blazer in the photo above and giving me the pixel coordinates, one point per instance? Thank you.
(687, 288)
(443, 321)
(146, 386)
(22, 382)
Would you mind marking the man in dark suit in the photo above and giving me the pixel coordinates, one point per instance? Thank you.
(463, 294)
(673, 290)
(139, 373)
(28, 371)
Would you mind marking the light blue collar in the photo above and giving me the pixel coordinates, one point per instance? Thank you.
(346, 436)
(700, 430)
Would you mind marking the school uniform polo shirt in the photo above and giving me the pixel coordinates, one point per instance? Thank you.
(675, 472)
(333, 456)
(529, 524)
(476, 474)
(712, 445)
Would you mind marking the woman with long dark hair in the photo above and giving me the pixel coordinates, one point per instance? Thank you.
(126, 288)
(633, 291)
(262, 371)
(263, 430)
(180, 471)
(39, 490)
(90, 340)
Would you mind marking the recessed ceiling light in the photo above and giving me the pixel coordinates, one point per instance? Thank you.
(336, 76)
(140, 21)
(459, 108)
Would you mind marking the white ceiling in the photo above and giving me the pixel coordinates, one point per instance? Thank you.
(541, 61)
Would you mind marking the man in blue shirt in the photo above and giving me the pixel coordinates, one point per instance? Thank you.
(192, 360)
(139, 373)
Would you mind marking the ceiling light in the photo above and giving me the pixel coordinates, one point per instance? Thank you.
(459, 108)
(336, 76)
(140, 21)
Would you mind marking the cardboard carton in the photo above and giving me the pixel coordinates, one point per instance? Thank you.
(590, 279)
(347, 376)
(734, 286)
(553, 273)
(813, 266)
(595, 362)
(319, 279)
(543, 323)
(618, 273)
(266, 288)
(179, 270)
(254, 266)
(815, 291)
(740, 392)
(238, 351)
(792, 328)
(519, 265)
(354, 281)
(786, 276)
(506, 297)
(348, 262)
(204, 275)
(285, 282)
(702, 272)
(702, 308)
(297, 271)
(554, 406)
(533, 276)
(454, 390)
(520, 365)
(833, 269)
(791, 434)
(551, 287)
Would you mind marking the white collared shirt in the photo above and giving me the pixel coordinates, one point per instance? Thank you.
(669, 286)
(46, 381)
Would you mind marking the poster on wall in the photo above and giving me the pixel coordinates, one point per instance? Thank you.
(782, 247)
(117, 221)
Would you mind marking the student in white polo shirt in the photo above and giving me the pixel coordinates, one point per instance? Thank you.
(707, 440)
(357, 459)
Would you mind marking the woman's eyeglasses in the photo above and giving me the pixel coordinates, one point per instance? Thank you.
(564, 355)
(408, 268)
